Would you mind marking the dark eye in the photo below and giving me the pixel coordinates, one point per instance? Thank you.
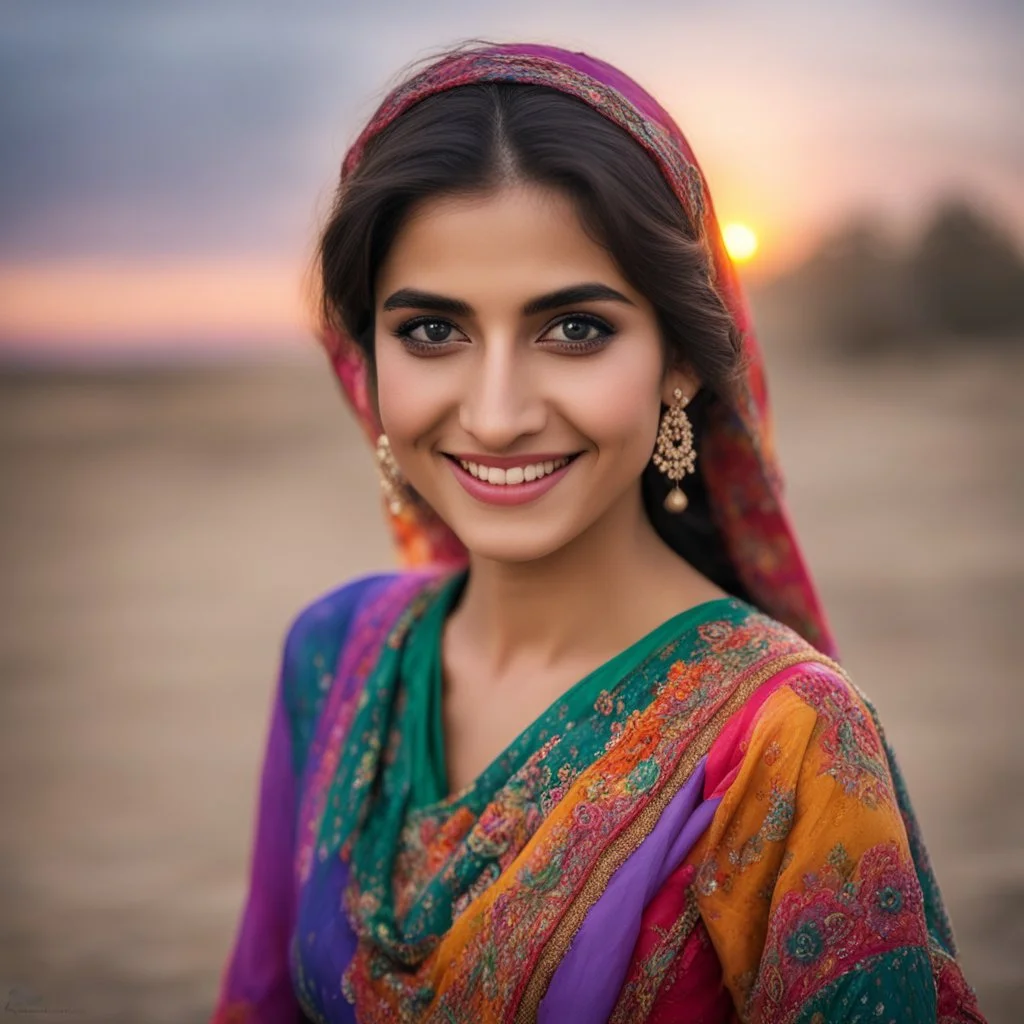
(432, 331)
(429, 335)
(578, 332)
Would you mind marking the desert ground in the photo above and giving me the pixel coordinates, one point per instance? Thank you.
(160, 528)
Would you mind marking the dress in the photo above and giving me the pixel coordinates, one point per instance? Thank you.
(709, 827)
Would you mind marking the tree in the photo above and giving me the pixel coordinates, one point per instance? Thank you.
(968, 274)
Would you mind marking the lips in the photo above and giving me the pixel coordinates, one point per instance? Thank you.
(497, 480)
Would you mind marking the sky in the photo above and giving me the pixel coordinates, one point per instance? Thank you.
(166, 165)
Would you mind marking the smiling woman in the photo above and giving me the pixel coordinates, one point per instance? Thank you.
(592, 759)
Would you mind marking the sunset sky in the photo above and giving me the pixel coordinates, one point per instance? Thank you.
(165, 164)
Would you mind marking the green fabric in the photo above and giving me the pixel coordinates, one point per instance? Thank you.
(892, 988)
(422, 676)
(393, 810)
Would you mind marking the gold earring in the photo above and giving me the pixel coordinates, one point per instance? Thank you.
(390, 476)
(674, 453)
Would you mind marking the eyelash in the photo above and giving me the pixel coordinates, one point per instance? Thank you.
(403, 332)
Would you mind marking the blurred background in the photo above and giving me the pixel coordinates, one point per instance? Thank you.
(179, 475)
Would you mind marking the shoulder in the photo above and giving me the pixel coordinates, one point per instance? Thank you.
(806, 719)
(800, 702)
(321, 634)
(323, 623)
(754, 653)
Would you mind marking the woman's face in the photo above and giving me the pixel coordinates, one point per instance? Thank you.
(519, 375)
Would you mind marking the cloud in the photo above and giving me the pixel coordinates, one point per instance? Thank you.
(215, 127)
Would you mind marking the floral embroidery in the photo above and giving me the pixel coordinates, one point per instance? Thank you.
(837, 920)
(643, 776)
(853, 753)
(362, 649)
(774, 829)
(805, 944)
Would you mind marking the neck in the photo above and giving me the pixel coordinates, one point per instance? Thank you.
(593, 597)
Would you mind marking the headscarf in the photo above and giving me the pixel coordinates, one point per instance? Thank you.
(736, 451)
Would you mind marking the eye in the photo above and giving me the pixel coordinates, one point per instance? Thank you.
(579, 332)
(428, 333)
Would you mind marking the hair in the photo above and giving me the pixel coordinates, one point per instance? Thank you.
(475, 139)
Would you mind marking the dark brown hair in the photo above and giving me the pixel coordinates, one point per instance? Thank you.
(475, 138)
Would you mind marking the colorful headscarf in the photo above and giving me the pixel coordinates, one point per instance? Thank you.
(736, 450)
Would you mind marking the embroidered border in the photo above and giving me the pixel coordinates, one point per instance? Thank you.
(626, 843)
(370, 630)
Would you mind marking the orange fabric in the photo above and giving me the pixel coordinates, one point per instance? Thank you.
(806, 873)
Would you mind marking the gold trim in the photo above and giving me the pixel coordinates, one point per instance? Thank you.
(627, 842)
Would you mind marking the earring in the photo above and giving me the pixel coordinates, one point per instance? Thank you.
(674, 453)
(390, 476)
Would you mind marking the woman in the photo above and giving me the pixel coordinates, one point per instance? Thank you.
(593, 760)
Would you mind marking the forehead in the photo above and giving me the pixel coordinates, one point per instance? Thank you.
(519, 240)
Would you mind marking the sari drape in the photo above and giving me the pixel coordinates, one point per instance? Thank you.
(708, 828)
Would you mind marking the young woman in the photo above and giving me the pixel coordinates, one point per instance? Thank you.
(592, 760)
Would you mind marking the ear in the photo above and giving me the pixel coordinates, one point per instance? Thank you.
(684, 380)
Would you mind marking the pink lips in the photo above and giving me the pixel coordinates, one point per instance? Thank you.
(506, 494)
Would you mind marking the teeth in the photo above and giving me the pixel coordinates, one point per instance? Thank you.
(514, 475)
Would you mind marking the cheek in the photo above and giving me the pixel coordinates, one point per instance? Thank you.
(411, 394)
(617, 404)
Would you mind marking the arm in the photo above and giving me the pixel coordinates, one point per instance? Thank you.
(806, 880)
(256, 986)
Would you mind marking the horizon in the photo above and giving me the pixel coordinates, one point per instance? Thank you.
(168, 167)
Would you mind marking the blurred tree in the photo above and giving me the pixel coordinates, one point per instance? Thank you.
(863, 293)
(852, 292)
(968, 274)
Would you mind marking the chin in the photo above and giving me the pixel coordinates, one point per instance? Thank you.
(513, 546)
(526, 538)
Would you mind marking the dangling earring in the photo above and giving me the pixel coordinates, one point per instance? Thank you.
(674, 453)
(390, 476)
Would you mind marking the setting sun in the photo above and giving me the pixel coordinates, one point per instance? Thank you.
(740, 242)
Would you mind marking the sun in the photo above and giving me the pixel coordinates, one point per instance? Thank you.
(740, 242)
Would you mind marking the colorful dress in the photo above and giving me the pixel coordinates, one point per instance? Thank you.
(707, 828)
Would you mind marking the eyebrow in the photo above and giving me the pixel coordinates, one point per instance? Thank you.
(411, 298)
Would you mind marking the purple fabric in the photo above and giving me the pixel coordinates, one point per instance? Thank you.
(329, 943)
(587, 982)
(257, 984)
(257, 974)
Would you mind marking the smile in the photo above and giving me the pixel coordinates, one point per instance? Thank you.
(513, 481)
(514, 474)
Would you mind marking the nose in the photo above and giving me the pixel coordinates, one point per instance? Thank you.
(500, 402)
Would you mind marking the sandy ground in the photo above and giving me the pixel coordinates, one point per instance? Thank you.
(160, 529)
